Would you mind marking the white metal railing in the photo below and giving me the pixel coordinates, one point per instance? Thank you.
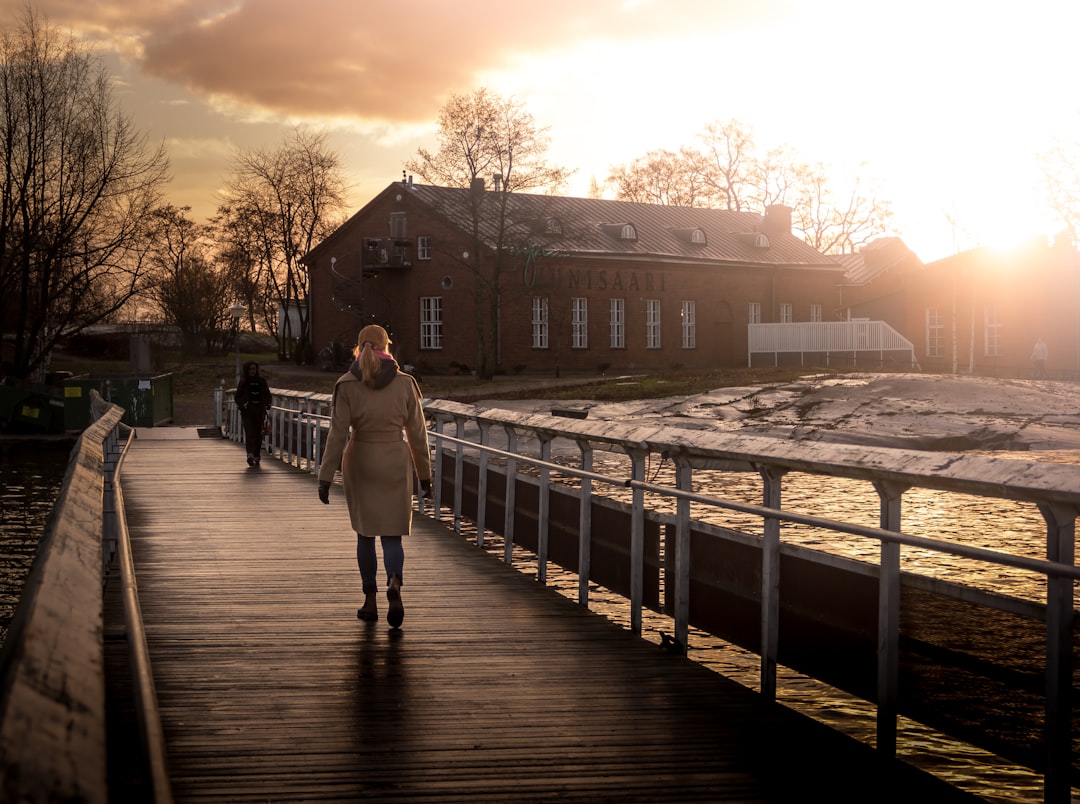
(892, 472)
(303, 419)
(827, 338)
(299, 422)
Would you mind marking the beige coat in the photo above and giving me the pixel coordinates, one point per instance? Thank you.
(387, 451)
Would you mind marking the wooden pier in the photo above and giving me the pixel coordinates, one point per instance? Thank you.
(496, 688)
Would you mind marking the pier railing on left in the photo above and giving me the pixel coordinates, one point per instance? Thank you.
(53, 718)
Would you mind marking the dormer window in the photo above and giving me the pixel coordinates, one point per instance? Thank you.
(693, 237)
(623, 231)
(553, 226)
(755, 239)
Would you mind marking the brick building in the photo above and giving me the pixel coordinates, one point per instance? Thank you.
(583, 284)
(977, 312)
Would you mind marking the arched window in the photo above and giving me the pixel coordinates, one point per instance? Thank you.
(628, 232)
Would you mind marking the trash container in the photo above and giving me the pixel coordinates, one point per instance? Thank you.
(147, 401)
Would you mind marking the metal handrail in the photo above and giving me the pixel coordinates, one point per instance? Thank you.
(147, 712)
(145, 693)
(892, 472)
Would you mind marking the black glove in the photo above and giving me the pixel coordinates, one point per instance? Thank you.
(324, 491)
(425, 489)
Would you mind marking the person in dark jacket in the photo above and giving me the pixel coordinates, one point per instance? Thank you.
(253, 400)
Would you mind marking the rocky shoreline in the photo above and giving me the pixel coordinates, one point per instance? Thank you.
(909, 411)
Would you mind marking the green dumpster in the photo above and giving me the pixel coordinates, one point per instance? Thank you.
(147, 401)
(30, 408)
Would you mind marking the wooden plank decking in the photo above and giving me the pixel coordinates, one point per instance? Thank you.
(495, 688)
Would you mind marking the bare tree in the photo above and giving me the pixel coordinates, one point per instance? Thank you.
(185, 286)
(835, 225)
(663, 177)
(77, 185)
(728, 173)
(1060, 166)
(728, 154)
(278, 205)
(485, 136)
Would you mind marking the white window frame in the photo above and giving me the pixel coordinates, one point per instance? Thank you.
(540, 331)
(652, 324)
(786, 313)
(992, 327)
(423, 248)
(753, 313)
(617, 323)
(935, 332)
(815, 313)
(431, 322)
(579, 322)
(689, 324)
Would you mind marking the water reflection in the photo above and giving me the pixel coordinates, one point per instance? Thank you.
(1007, 526)
(30, 476)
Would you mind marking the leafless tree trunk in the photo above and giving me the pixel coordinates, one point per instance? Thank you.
(482, 136)
(279, 205)
(77, 186)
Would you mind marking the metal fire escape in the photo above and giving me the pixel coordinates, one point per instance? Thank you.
(351, 294)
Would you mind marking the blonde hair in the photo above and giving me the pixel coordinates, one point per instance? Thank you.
(371, 338)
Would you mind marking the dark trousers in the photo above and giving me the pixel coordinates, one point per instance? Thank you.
(253, 424)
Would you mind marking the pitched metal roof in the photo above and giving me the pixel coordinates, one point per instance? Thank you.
(878, 257)
(591, 226)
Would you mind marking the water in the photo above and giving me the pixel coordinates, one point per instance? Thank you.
(31, 474)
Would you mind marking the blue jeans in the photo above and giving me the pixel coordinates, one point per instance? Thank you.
(393, 560)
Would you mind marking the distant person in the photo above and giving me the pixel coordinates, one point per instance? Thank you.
(374, 404)
(253, 400)
(1038, 359)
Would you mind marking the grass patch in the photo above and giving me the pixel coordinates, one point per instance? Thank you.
(196, 379)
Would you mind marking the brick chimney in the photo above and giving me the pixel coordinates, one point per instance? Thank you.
(777, 220)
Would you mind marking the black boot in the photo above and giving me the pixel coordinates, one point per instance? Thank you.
(396, 613)
(369, 612)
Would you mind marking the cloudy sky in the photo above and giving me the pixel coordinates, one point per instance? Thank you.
(946, 102)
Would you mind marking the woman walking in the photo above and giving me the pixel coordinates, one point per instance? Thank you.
(374, 404)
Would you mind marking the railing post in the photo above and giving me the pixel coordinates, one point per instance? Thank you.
(637, 537)
(543, 514)
(770, 582)
(1060, 547)
(108, 501)
(219, 396)
(888, 620)
(316, 448)
(684, 481)
(511, 487)
(459, 470)
(482, 484)
(585, 524)
(436, 496)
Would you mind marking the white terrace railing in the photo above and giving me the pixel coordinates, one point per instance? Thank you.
(825, 342)
(519, 447)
